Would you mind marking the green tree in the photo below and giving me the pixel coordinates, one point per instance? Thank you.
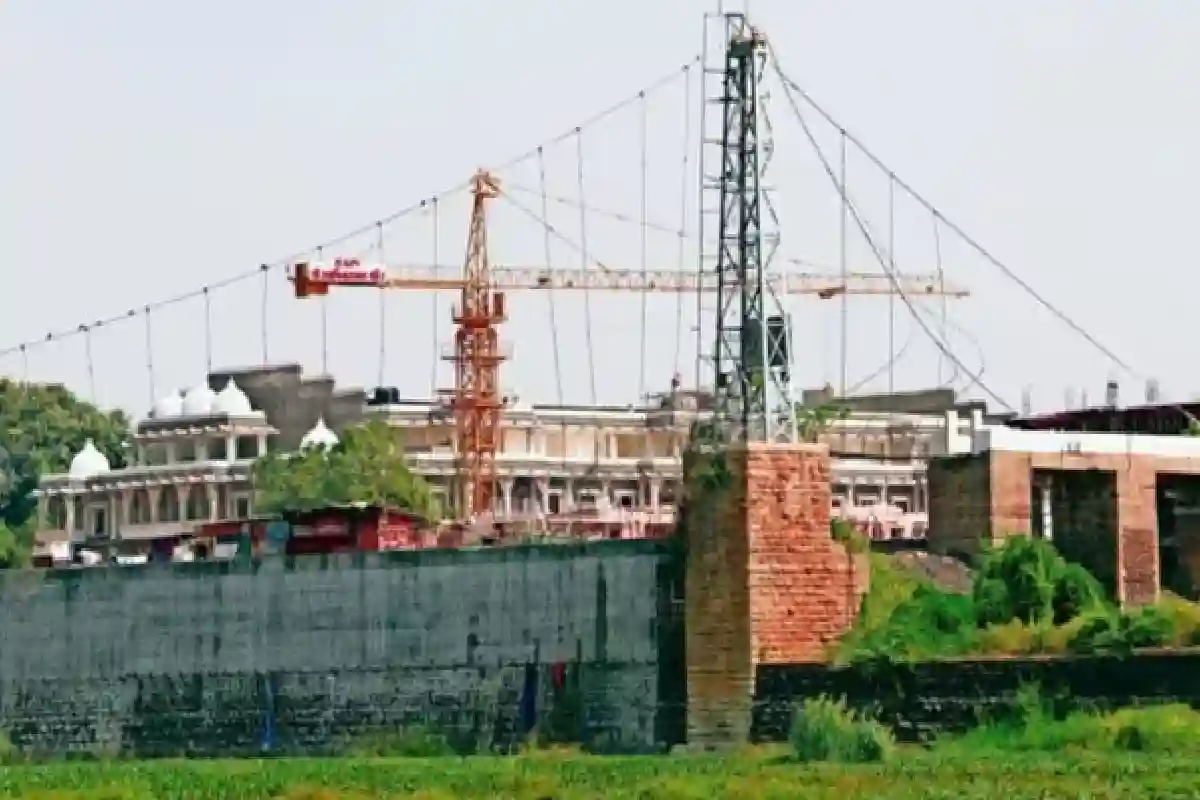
(42, 427)
(366, 466)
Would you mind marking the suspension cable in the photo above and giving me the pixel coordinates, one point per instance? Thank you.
(844, 304)
(550, 294)
(587, 301)
(866, 233)
(283, 263)
(433, 301)
(208, 345)
(790, 87)
(940, 275)
(644, 192)
(892, 297)
(683, 209)
(150, 356)
(262, 317)
(550, 299)
(91, 367)
(382, 307)
(324, 322)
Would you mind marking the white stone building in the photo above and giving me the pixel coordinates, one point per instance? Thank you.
(190, 463)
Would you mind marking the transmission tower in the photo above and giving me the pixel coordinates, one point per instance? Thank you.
(751, 357)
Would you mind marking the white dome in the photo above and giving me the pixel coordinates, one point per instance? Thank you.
(88, 463)
(169, 406)
(199, 401)
(232, 400)
(319, 436)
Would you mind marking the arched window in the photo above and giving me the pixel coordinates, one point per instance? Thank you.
(168, 504)
(197, 503)
(139, 507)
(56, 512)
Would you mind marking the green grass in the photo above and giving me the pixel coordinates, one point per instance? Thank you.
(913, 773)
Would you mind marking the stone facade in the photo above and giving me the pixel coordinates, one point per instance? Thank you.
(765, 582)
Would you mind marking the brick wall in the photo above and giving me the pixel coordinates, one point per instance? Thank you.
(765, 582)
(311, 650)
(1001, 484)
(922, 700)
(805, 589)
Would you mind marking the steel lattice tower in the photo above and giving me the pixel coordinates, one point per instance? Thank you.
(752, 349)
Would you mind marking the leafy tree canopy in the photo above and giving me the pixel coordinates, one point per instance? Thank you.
(366, 466)
(42, 427)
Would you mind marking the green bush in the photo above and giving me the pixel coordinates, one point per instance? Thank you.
(1026, 579)
(417, 741)
(1034, 725)
(826, 730)
(1122, 632)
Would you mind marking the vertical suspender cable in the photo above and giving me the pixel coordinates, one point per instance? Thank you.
(433, 300)
(845, 304)
(548, 256)
(683, 206)
(91, 368)
(262, 316)
(700, 203)
(644, 145)
(941, 278)
(892, 294)
(25, 364)
(382, 306)
(324, 321)
(149, 355)
(583, 255)
(208, 347)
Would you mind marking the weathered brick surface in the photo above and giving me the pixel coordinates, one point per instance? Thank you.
(765, 581)
(921, 700)
(1000, 484)
(719, 668)
(309, 651)
(804, 587)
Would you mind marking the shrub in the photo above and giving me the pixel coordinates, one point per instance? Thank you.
(405, 742)
(826, 730)
(1026, 579)
(1121, 632)
(1185, 619)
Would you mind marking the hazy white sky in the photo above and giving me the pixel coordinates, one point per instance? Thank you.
(149, 147)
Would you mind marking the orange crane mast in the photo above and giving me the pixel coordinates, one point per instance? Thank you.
(475, 399)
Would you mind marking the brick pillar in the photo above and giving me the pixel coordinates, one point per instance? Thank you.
(765, 582)
(1138, 578)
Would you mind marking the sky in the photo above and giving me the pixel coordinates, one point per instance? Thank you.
(149, 149)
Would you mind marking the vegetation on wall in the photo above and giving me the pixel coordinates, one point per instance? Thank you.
(366, 466)
(812, 421)
(1025, 599)
(42, 427)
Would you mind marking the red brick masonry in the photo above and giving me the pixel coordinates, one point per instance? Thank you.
(766, 583)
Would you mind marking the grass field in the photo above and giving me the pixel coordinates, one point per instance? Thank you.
(915, 773)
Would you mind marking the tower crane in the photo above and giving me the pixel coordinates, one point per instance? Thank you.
(475, 399)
